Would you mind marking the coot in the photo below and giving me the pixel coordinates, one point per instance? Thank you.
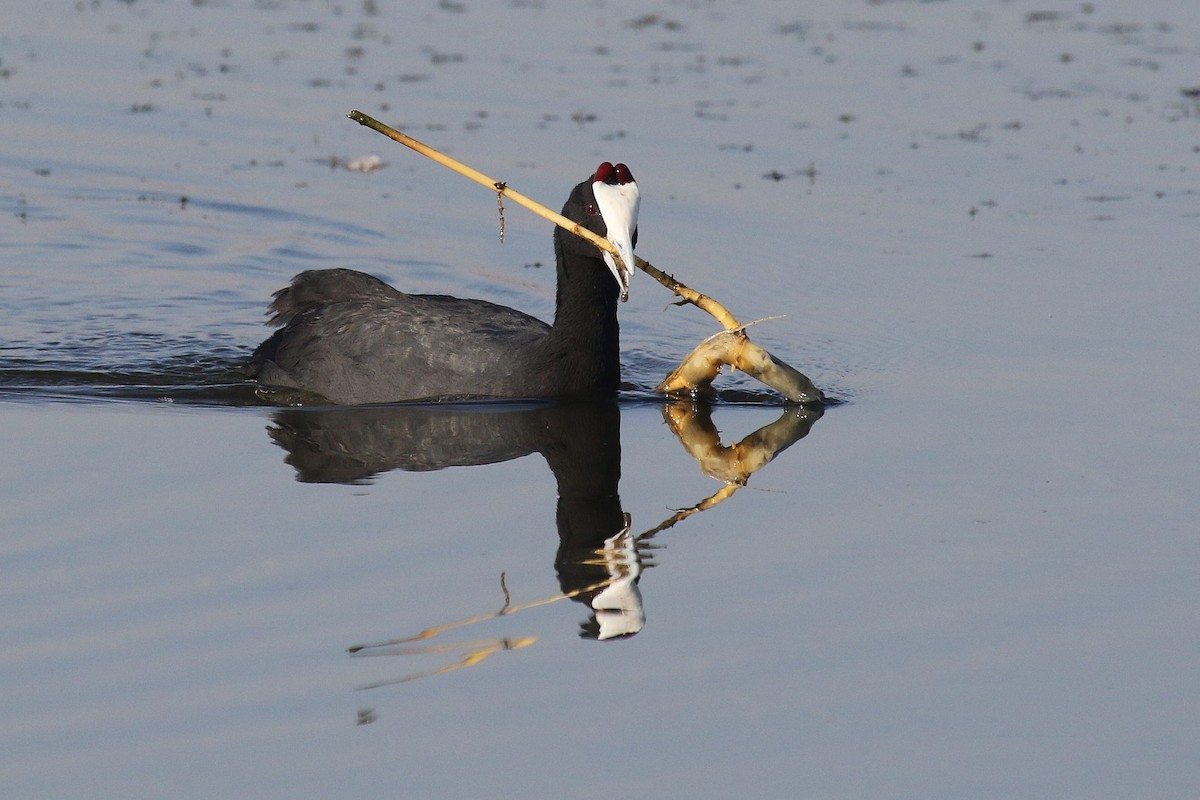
(351, 338)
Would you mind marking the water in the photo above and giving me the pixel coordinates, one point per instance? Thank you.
(974, 577)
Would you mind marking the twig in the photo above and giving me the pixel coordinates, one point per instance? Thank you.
(499, 187)
(687, 294)
(731, 347)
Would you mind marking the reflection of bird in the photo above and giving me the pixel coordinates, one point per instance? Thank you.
(351, 338)
(617, 602)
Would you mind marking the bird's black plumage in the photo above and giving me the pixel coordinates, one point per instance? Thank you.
(351, 338)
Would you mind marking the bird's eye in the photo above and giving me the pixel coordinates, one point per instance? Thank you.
(591, 209)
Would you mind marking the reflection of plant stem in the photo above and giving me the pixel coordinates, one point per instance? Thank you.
(721, 495)
(480, 651)
(694, 427)
(507, 597)
(733, 465)
(477, 650)
(437, 630)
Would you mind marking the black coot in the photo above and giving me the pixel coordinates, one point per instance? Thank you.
(351, 338)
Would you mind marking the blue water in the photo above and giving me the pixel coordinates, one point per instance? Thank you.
(973, 578)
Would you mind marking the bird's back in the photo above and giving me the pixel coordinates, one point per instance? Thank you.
(353, 339)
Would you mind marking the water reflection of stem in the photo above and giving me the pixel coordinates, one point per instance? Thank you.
(476, 651)
(693, 425)
(505, 611)
(507, 596)
(720, 496)
(734, 464)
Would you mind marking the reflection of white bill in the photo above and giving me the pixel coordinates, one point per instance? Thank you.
(618, 606)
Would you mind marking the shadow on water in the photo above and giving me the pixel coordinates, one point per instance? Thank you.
(600, 558)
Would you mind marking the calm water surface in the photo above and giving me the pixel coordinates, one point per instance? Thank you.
(976, 577)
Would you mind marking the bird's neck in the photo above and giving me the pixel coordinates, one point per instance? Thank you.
(585, 315)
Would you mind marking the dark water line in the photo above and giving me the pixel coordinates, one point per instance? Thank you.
(223, 383)
(212, 372)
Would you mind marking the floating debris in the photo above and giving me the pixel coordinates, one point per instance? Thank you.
(368, 163)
